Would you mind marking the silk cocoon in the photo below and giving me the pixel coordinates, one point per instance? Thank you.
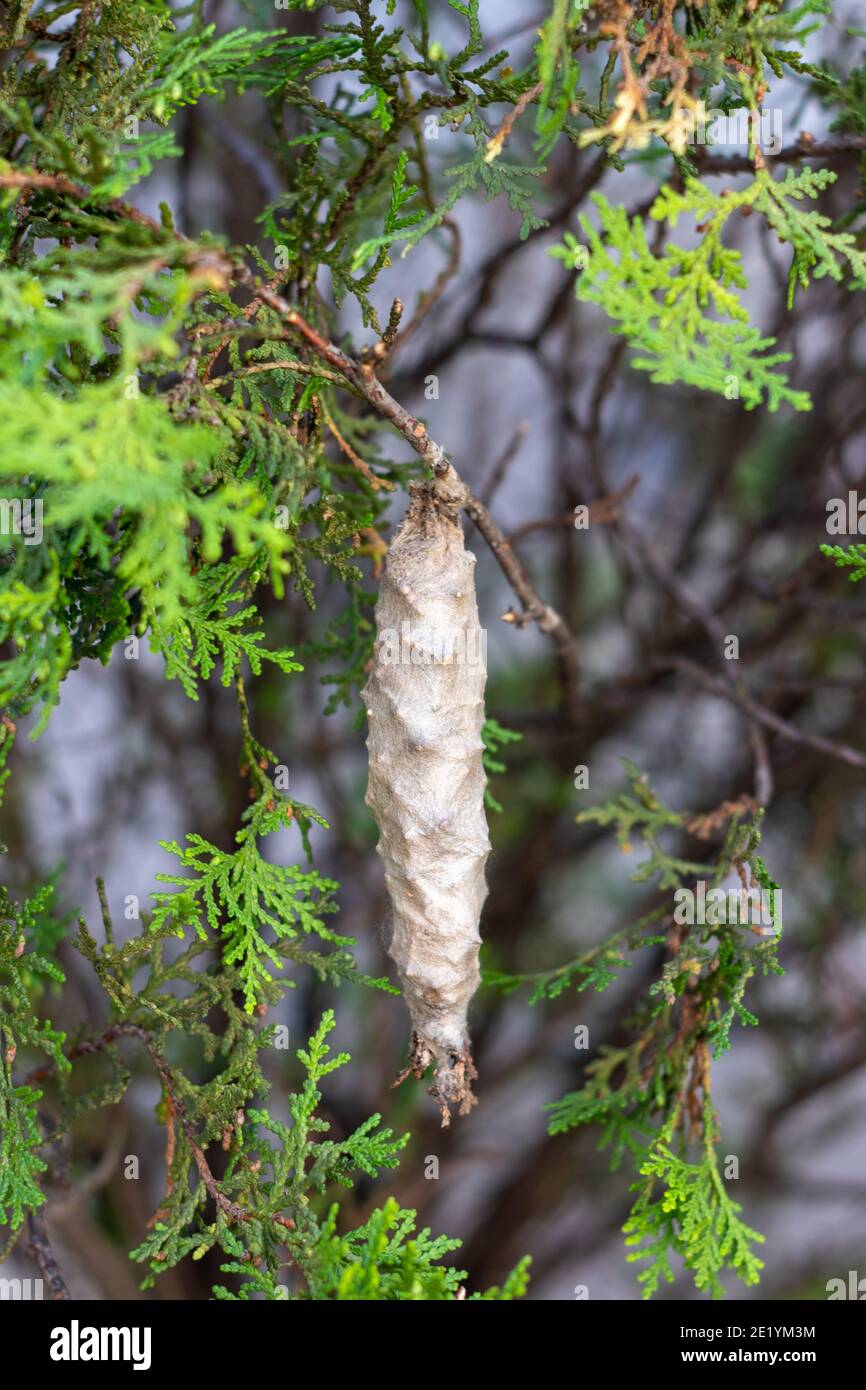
(425, 706)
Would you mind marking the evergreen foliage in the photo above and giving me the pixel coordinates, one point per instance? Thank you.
(190, 452)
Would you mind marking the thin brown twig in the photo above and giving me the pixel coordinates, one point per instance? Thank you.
(497, 141)
(355, 458)
(225, 1203)
(841, 752)
(600, 512)
(38, 1247)
(501, 466)
(763, 765)
(534, 608)
(85, 1048)
(678, 591)
(288, 365)
(803, 148)
(58, 183)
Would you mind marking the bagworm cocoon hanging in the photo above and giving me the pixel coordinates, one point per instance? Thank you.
(425, 705)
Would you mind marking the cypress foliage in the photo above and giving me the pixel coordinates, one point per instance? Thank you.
(186, 436)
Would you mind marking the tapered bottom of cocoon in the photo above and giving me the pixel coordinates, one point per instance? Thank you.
(452, 1083)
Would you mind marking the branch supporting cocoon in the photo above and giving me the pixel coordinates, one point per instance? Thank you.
(425, 706)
